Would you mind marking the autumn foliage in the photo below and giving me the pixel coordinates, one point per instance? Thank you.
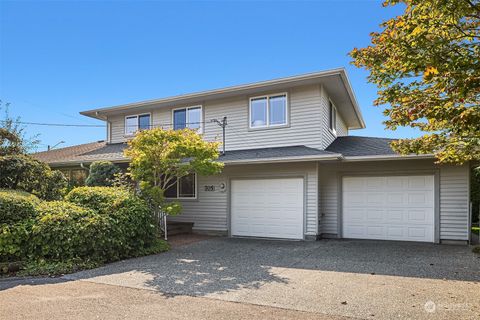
(426, 65)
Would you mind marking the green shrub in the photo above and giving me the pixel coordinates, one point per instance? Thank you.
(16, 206)
(26, 173)
(101, 199)
(102, 174)
(65, 231)
(15, 241)
(134, 225)
(54, 185)
(98, 225)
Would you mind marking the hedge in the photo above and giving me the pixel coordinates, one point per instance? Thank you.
(134, 227)
(65, 231)
(16, 206)
(101, 199)
(96, 225)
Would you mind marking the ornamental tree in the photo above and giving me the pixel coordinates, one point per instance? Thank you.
(426, 65)
(160, 157)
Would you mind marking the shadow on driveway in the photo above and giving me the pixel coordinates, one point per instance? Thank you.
(222, 264)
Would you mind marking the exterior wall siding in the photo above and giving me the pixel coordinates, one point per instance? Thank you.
(341, 127)
(454, 202)
(308, 122)
(210, 211)
(454, 188)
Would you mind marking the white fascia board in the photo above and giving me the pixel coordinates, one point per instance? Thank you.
(388, 157)
(283, 160)
(75, 162)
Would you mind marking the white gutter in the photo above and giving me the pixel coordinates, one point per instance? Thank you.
(336, 156)
(388, 157)
(82, 162)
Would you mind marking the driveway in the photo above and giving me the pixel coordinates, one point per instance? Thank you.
(363, 279)
(243, 278)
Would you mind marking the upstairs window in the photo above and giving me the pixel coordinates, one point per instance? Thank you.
(268, 111)
(190, 117)
(136, 123)
(332, 111)
(184, 188)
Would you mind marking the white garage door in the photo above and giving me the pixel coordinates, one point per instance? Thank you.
(389, 208)
(271, 208)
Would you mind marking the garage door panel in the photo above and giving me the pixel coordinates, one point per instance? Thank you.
(395, 232)
(394, 215)
(267, 208)
(375, 215)
(395, 198)
(375, 183)
(393, 208)
(395, 183)
(355, 198)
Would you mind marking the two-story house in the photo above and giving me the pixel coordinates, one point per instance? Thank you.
(291, 168)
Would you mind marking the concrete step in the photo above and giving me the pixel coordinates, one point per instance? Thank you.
(174, 228)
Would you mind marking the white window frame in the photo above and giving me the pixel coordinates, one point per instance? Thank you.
(268, 125)
(200, 130)
(138, 117)
(332, 123)
(186, 198)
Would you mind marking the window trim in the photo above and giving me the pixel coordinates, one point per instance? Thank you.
(195, 189)
(268, 125)
(200, 130)
(138, 117)
(332, 123)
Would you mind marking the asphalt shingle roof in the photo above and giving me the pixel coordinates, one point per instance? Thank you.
(272, 153)
(88, 152)
(348, 146)
(351, 146)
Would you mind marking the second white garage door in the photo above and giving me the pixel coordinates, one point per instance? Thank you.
(271, 208)
(389, 208)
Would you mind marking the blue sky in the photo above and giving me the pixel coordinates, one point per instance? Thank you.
(61, 57)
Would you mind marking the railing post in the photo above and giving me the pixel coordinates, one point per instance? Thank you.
(165, 225)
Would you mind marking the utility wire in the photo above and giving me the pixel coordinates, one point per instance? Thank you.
(56, 124)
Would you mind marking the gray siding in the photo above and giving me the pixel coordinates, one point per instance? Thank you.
(454, 188)
(308, 122)
(341, 127)
(210, 210)
(454, 202)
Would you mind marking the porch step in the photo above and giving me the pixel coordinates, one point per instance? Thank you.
(174, 228)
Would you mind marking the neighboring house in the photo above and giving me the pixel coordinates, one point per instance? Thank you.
(291, 168)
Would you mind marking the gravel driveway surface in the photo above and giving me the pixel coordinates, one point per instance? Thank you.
(361, 279)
